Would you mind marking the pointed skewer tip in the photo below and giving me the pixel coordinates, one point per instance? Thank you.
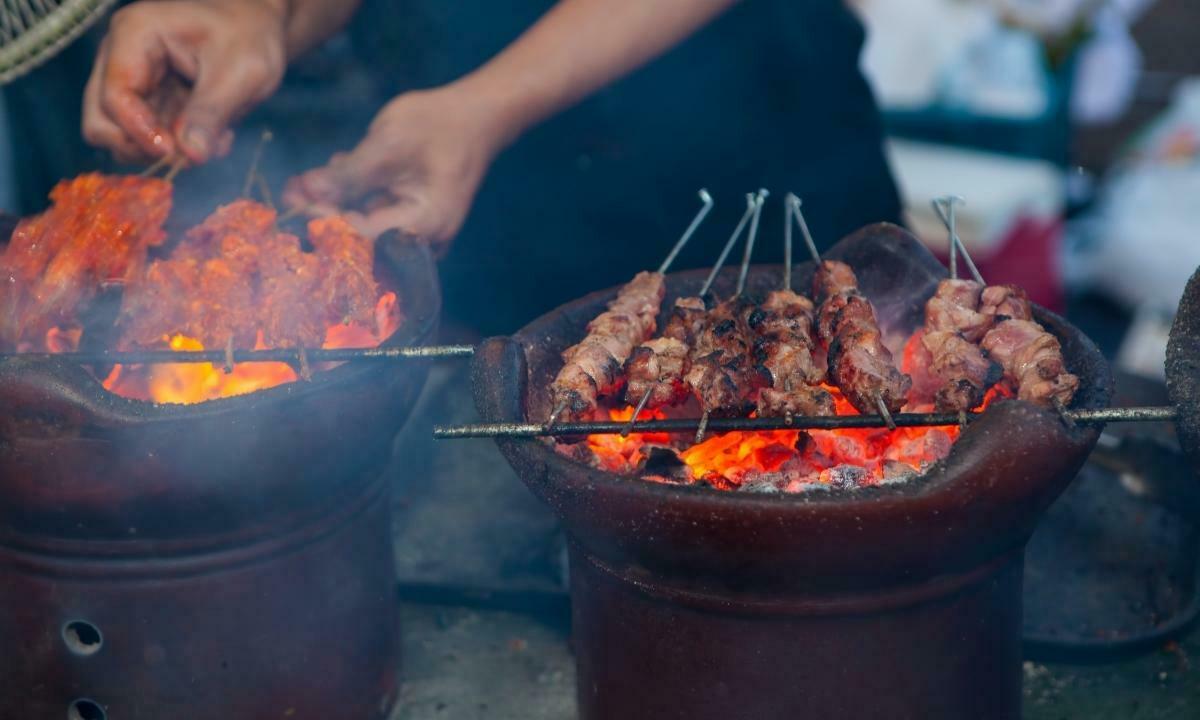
(558, 410)
(636, 412)
(702, 429)
(884, 412)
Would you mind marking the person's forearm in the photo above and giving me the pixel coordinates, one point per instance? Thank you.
(577, 48)
(309, 23)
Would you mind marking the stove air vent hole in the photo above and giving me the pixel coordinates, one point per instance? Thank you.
(84, 709)
(82, 637)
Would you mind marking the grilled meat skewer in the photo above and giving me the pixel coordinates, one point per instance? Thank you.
(859, 363)
(1031, 357)
(592, 367)
(953, 328)
(786, 354)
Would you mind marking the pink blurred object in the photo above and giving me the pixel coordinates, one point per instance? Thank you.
(1029, 255)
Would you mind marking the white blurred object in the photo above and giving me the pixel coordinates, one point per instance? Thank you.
(1139, 244)
(998, 189)
(902, 59)
(1143, 351)
(1107, 72)
(1001, 74)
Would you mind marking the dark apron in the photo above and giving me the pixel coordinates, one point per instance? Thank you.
(768, 95)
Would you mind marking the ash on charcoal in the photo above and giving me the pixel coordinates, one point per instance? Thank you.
(846, 477)
(895, 473)
(764, 483)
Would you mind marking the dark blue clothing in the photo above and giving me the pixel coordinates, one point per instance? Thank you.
(768, 95)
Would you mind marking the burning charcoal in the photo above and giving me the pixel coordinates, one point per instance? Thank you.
(666, 463)
(895, 473)
(845, 477)
(764, 483)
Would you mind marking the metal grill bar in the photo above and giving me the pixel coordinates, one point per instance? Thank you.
(716, 425)
(147, 357)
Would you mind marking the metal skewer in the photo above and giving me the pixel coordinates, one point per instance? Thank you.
(956, 242)
(737, 233)
(155, 166)
(957, 246)
(687, 234)
(707, 201)
(662, 270)
(808, 239)
(176, 167)
(148, 357)
(795, 202)
(252, 173)
(806, 422)
(753, 209)
(759, 199)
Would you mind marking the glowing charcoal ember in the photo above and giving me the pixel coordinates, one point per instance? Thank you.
(187, 383)
(624, 454)
(783, 460)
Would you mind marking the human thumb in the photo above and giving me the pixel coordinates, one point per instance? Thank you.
(223, 92)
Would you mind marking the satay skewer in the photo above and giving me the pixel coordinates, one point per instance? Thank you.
(754, 206)
(816, 256)
(712, 276)
(707, 204)
(255, 158)
(947, 217)
(156, 166)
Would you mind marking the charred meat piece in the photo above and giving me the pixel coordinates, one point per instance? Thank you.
(1005, 302)
(722, 376)
(859, 363)
(954, 308)
(593, 367)
(953, 327)
(1032, 361)
(785, 353)
(718, 387)
(800, 400)
(657, 367)
(963, 371)
(686, 320)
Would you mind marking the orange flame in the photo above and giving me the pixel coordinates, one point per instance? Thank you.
(727, 460)
(189, 383)
(621, 454)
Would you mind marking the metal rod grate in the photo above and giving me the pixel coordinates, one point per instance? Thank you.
(836, 422)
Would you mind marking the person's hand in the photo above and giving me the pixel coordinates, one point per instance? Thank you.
(171, 76)
(416, 170)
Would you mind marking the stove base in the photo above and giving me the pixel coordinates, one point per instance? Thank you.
(950, 648)
(301, 624)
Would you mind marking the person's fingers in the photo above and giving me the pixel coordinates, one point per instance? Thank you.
(97, 128)
(226, 86)
(133, 64)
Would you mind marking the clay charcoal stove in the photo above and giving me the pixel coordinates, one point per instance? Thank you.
(880, 591)
(223, 554)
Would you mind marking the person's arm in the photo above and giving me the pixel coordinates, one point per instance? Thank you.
(172, 75)
(577, 48)
(426, 152)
